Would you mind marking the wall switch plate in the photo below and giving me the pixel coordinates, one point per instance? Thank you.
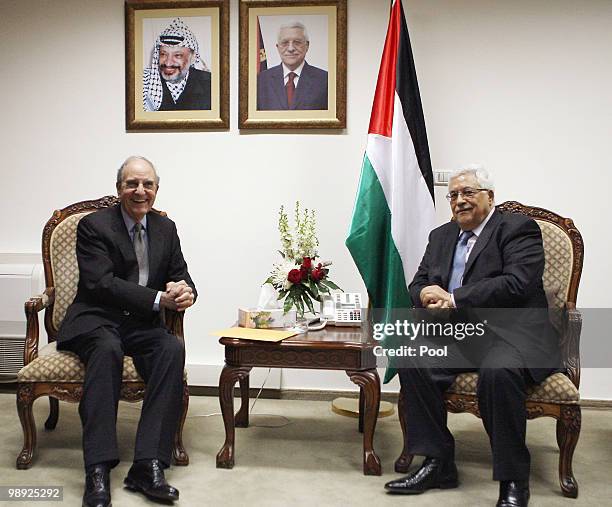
(441, 178)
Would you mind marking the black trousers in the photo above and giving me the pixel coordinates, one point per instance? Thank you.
(501, 397)
(159, 359)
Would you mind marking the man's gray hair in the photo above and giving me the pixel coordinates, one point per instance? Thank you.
(485, 180)
(130, 159)
(293, 24)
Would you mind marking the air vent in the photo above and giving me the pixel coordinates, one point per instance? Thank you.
(21, 277)
(11, 356)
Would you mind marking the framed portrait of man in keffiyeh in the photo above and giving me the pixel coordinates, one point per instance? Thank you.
(177, 64)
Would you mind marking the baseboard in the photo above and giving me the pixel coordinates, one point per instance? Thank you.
(207, 375)
(271, 394)
(8, 387)
(600, 404)
(326, 395)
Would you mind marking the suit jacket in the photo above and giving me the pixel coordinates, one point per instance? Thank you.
(504, 270)
(310, 92)
(195, 96)
(108, 292)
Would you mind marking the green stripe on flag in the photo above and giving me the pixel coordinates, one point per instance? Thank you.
(374, 251)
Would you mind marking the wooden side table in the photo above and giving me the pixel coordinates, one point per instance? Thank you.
(333, 348)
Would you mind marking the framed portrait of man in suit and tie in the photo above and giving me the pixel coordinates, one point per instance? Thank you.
(177, 64)
(292, 64)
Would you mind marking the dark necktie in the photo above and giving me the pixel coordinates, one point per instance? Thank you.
(290, 87)
(141, 254)
(456, 279)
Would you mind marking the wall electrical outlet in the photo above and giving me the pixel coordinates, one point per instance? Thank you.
(441, 178)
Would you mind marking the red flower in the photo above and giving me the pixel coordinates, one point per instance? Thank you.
(304, 272)
(318, 274)
(294, 276)
(307, 263)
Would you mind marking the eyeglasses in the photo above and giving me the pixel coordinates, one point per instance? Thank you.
(297, 43)
(132, 184)
(467, 193)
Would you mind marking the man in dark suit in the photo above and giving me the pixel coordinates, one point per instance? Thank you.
(130, 267)
(483, 259)
(294, 84)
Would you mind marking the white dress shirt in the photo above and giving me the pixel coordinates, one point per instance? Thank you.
(130, 223)
(297, 72)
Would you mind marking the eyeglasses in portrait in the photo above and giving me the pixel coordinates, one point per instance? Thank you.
(292, 64)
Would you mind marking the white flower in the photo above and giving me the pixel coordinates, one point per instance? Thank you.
(280, 272)
(301, 240)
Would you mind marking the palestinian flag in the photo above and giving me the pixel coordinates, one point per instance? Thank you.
(395, 209)
(262, 59)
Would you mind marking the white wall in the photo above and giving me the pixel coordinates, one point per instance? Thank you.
(522, 86)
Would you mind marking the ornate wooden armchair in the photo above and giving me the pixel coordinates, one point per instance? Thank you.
(557, 396)
(60, 374)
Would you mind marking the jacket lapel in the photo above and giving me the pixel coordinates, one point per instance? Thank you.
(122, 237)
(482, 241)
(278, 85)
(156, 245)
(447, 252)
(302, 87)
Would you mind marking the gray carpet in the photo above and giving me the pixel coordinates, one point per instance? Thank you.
(313, 460)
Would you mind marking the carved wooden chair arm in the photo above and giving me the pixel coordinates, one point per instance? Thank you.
(32, 307)
(570, 342)
(174, 323)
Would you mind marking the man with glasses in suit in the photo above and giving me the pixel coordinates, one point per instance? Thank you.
(294, 84)
(482, 259)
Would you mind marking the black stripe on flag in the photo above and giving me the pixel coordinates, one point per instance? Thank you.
(407, 89)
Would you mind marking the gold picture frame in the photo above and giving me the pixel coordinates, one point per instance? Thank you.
(173, 82)
(308, 35)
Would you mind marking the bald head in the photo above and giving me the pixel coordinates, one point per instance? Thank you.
(137, 184)
(133, 158)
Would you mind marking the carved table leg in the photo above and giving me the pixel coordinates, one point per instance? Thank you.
(568, 431)
(25, 399)
(229, 376)
(402, 464)
(369, 382)
(242, 416)
(179, 453)
(361, 408)
(51, 421)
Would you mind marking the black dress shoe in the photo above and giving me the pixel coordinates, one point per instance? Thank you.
(97, 487)
(513, 494)
(148, 478)
(434, 473)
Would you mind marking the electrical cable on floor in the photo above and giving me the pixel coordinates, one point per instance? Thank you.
(287, 421)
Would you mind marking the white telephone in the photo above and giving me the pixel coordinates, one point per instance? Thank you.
(342, 309)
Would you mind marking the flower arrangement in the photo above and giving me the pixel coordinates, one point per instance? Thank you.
(298, 278)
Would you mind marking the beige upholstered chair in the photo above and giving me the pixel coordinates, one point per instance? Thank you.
(60, 375)
(558, 395)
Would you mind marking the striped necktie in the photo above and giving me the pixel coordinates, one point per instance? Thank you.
(456, 279)
(141, 254)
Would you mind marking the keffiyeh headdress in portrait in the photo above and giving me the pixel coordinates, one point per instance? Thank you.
(176, 34)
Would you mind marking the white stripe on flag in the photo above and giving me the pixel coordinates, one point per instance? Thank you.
(407, 194)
